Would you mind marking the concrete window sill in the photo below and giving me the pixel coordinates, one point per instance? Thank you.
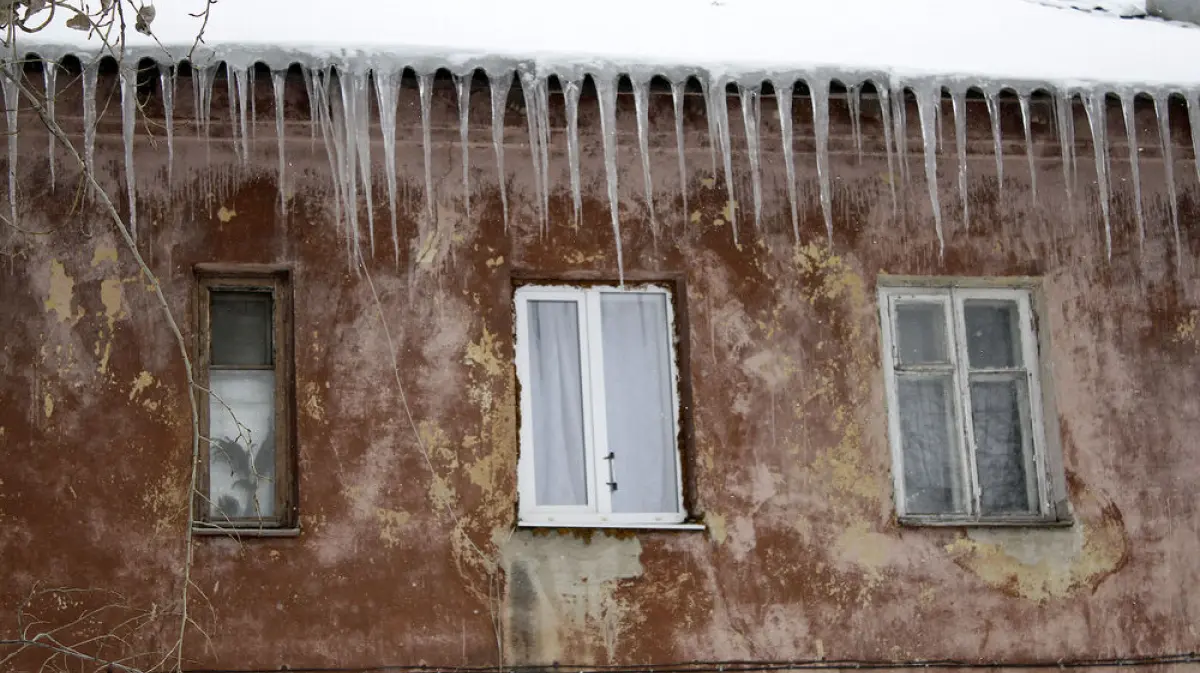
(245, 532)
(930, 522)
(615, 526)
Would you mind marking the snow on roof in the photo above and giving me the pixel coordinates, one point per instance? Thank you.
(1001, 41)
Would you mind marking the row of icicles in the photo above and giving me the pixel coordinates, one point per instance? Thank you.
(340, 105)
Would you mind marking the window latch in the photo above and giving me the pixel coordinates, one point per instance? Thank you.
(612, 480)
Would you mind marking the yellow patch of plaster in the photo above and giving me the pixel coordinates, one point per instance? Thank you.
(312, 402)
(62, 289)
(48, 405)
(716, 527)
(1185, 330)
(104, 253)
(580, 257)
(166, 501)
(429, 248)
(863, 547)
(110, 296)
(728, 211)
(226, 215)
(695, 218)
(485, 354)
(707, 182)
(140, 384)
(1043, 564)
(391, 521)
(838, 279)
(495, 262)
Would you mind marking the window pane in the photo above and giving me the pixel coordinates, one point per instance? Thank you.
(993, 333)
(921, 333)
(638, 399)
(1003, 454)
(241, 328)
(241, 472)
(557, 392)
(933, 471)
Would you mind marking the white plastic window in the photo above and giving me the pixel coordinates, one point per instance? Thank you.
(599, 407)
(964, 404)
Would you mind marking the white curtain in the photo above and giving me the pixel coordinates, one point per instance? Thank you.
(641, 414)
(241, 450)
(933, 471)
(557, 390)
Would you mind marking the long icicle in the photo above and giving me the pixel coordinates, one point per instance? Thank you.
(710, 114)
(387, 94)
(606, 89)
(783, 105)
(992, 97)
(1029, 150)
(425, 91)
(166, 79)
(462, 85)
(928, 96)
(500, 84)
(819, 91)
(641, 94)
(958, 98)
(250, 77)
(91, 72)
(278, 82)
(244, 92)
(12, 91)
(1162, 110)
(128, 77)
(344, 146)
(571, 91)
(533, 118)
(50, 78)
(232, 97)
(1131, 143)
(900, 119)
(751, 114)
(1094, 105)
(360, 125)
(1065, 120)
(854, 102)
(318, 104)
(678, 89)
(720, 112)
(885, 110)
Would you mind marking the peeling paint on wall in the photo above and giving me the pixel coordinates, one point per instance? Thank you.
(61, 294)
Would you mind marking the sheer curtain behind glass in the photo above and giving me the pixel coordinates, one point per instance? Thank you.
(639, 403)
(241, 406)
(556, 380)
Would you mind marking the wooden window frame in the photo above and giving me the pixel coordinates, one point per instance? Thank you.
(597, 514)
(951, 293)
(277, 282)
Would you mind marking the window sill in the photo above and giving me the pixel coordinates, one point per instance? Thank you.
(610, 524)
(214, 531)
(948, 522)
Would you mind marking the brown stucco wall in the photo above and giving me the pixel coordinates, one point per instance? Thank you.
(789, 467)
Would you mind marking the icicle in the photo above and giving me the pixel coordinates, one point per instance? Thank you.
(854, 101)
(387, 93)
(462, 83)
(783, 105)
(1065, 119)
(239, 78)
(278, 80)
(166, 78)
(1025, 123)
(531, 89)
(1193, 106)
(313, 122)
(203, 83)
(677, 92)
(250, 77)
(606, 88)
(751, 114)
(90, 74)
(710, 114)
(885, 109)
(50, 77)
(819, 91)
(128, 79)
(992, 97)
(358, 130)
(959, 99)
(342, 127)
(425, 89)
(1131, 142)
(900, 119)
(641, 92)
(571, 90)
(1094, 105)
(500, 85)
(1162, 111)
(929, 96)
(12, 90)
(319, 107)
(720, 112)
(231, 87)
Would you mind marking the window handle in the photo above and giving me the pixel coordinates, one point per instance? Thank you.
(612, 480)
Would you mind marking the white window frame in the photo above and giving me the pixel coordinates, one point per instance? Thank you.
(598, 513)
(952, 300)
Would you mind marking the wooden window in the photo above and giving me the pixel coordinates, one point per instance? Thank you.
(244, 368)
(599, 399)
(965, 408)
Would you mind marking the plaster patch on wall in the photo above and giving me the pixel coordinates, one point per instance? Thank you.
(140, 384)
(716, 527)
(112, 299)
(48, 405)
(226, 215)
(312, 402)
(1185, 330)
(391, 521)
(61, 294)
(166, 501)
(859, 546)
(104, 253)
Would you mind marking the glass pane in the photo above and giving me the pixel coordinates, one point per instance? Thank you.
(1003, 452)
(993, 333)
(933, 471)
(639, 403)
(241, 467)
(557, 390)
(921, 333)
(241, 328)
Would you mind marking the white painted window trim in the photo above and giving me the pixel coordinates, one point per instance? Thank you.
(952, 299)
(598, 513)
